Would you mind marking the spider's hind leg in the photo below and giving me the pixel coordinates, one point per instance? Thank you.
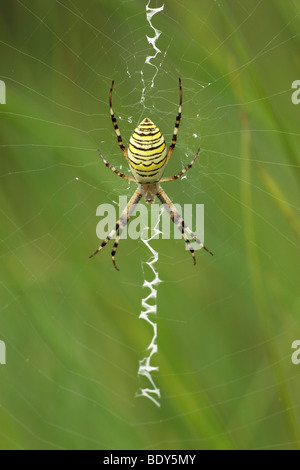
(106, 240)
(120, 225)
(179, 222)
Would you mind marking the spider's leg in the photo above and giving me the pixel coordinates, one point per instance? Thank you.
(106, 240)
(121, 223)
(114, 121)
(176, 218)
(179, 222)
(175, 177)
(124, 219)
(112, 168)
(115, 247)
(177, 122)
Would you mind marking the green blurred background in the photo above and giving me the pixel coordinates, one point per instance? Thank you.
(70, 324)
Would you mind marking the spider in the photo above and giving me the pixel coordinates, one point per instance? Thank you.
(147, 157)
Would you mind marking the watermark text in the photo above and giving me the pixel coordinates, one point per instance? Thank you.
(153, 221)
(2, 353)
(2, 92)
(296, 354)
(296, 94)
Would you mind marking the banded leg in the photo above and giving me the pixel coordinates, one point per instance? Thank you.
(112, 168)
(177, 122)
(179, 222)
(176, 219)
(116, 244)
(175, 177)
(120, 225)
(114, 121)
(124, 219)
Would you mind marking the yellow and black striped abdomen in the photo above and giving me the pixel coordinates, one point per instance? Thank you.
(147, 153)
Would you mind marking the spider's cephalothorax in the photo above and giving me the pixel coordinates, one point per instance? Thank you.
(147, 156)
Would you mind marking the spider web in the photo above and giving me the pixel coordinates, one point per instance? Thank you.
(69, 324)
(149, 309)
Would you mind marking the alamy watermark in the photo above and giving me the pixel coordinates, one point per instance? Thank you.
(152, 221)
(296, 94)
(296, 354)
(2, 353)
(2, 92)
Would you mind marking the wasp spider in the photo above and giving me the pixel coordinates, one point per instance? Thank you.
(147, 157)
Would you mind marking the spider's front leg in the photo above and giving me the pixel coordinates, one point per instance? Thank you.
(115, 124)
(177, 123)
